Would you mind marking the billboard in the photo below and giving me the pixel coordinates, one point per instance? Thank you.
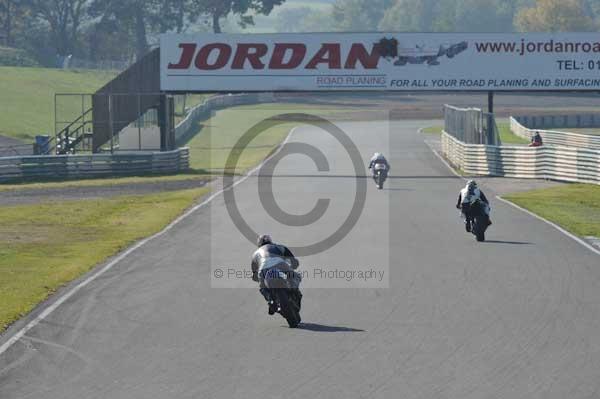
(380, 61)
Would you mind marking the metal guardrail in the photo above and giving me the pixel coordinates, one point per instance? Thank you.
(547, 122)
(93, 165)
(122, 163)
(186, 128)
(546, 162)
(559, 138)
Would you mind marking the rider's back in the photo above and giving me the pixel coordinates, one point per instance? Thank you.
(469, 195)
(270, 255)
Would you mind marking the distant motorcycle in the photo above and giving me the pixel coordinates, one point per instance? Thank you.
(284, 289)
(379, 174)
(480, 219)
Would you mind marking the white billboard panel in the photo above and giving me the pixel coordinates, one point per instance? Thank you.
(380, 61)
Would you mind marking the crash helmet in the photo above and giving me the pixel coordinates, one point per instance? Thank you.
(264, 239)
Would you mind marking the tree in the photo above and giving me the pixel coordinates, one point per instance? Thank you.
(218, 9)
(592, 7)
(554, 16)
(359, 15)
(64, 18)
(301, 19)
(11, 18)
(137, 19)
(127, 15)
(409, 16)
(179, 12)
(450, 16)
(110, 39)
(484, 16)
(290, 19)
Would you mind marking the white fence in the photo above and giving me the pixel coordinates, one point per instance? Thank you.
(546, 162)
(94, 165)
(553, 137)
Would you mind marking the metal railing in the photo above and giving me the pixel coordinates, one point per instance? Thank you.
(559, 138)
(74, 122)
(105, 65)
(93, 165)
(553, 122)
(187, 127)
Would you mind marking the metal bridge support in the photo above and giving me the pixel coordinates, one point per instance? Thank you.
(491, 102)
(166, 118)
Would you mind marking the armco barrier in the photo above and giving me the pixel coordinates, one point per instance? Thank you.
(545, 122)
(14, 168)
(552, 137)
(185, 129)
(94, 165)
(546, 162)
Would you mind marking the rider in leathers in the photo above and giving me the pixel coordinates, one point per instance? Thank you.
(378, 158)
(270, 255)
(466, 197)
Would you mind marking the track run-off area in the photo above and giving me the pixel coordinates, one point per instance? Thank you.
(516, 316)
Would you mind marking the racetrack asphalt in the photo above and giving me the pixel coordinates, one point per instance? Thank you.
(517, 316)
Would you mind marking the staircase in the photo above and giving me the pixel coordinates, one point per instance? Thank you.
(74, 136)
(115, 106)
(125, 98)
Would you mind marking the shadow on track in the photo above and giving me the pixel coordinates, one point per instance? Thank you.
(324, 328)
(508, 242)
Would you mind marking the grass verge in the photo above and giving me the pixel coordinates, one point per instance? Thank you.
(218, 135)
(506, 135)
(104, 182)
(44, 246)
(191, 101)
(27, 97)
(575, 207)
(433, 130)
(210, 148)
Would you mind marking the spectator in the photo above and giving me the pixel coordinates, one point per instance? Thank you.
(536, 140)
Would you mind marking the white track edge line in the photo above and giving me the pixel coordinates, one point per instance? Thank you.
(557, 227)
(437, 154)
(64, 297)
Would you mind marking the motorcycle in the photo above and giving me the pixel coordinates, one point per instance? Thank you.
(284, 289)
(380, 174)
(480, 219)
